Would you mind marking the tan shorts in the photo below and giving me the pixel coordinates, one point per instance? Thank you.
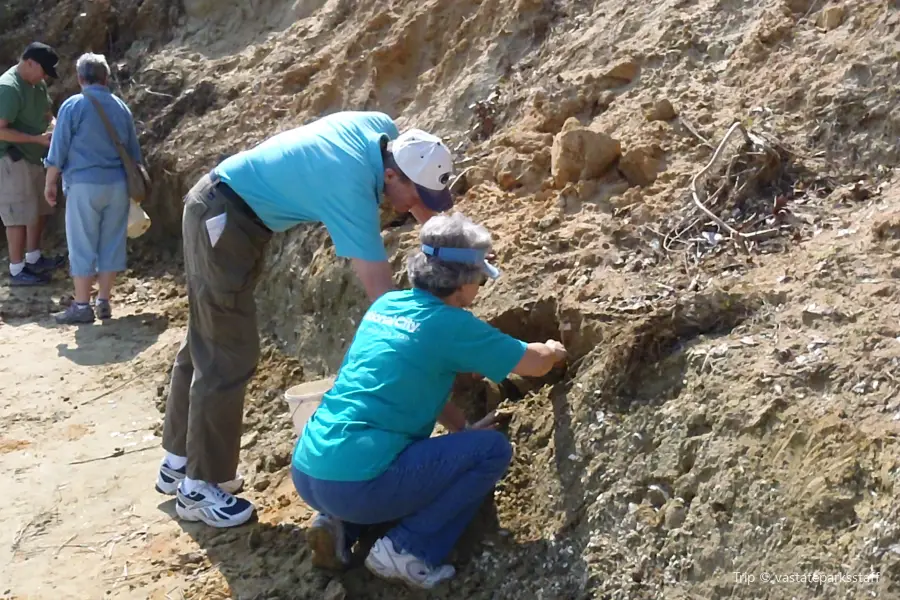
(21, 192)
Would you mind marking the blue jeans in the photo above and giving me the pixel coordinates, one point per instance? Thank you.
(434, 488)
(96, 227)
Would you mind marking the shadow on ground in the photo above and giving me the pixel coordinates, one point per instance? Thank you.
(265, 560)
(117, 340)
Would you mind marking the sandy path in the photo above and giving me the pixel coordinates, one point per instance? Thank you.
(71, 396)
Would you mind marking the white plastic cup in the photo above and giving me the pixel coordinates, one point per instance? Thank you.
(138, 221)
(304, 399)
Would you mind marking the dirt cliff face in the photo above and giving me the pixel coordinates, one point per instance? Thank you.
(730, 403)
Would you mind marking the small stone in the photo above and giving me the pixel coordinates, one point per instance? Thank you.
(335, 591)
(261, 484)
(831, 17)
(280, 457)
(192, 558)
(254, 538)
(686, 486)
(249, 439)
(662, 111)
(675, 514)
(626, 71)
(657, 496)
(507, 180)
(547, 222)
(640, 166)
(160, 390)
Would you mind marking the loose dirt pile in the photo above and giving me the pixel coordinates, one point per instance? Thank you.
(732, 402)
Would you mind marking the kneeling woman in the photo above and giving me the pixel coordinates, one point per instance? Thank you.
(366, 455)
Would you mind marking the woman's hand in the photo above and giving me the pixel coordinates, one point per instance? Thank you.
(493, 420)
(558, 350)
(50, 192)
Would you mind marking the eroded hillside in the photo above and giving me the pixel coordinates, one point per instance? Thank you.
(731, 403)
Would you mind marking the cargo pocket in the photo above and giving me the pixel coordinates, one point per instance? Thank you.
(233, 264)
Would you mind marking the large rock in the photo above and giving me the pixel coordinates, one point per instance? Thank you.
(581, 153)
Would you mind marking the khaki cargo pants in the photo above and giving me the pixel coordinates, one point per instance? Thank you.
(204, 411)
(21, 192)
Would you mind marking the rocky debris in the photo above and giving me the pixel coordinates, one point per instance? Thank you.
(662, 110)
(192, 558)
(887, 228)
(832, 17)
(640, 166)
(335, 590)
(514, 169)
(581, 153)
(249, 439)
(485, 114)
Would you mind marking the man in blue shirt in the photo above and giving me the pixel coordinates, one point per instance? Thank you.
(331, 171)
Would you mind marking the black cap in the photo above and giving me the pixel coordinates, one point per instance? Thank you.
(43, 55)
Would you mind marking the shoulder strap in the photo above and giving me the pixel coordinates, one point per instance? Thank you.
(123, 154)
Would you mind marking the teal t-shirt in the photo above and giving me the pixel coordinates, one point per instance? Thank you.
(394, 381)
(328, 171)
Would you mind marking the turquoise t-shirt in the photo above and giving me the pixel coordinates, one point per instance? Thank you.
(328, 171)
(394, 382)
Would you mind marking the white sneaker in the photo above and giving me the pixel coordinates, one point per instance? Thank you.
(384, 561)
(210, 504)
(328, 542)
(168, 479)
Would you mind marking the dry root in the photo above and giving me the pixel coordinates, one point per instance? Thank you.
(737, 197)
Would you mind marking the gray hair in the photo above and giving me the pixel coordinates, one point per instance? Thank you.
(430, 273)
(92, 68)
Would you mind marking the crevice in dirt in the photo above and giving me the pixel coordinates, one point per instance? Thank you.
(619, 375)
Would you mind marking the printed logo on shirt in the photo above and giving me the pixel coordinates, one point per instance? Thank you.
(403, 323)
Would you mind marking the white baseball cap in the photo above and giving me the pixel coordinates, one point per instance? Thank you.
(428, 163)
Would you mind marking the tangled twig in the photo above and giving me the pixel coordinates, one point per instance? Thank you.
(736, 235)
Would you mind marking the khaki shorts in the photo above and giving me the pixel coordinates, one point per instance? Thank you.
(21, 192)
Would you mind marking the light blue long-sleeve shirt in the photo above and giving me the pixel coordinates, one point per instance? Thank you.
(81, 147)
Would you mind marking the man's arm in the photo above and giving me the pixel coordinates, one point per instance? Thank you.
(376, 277)
(7, 134)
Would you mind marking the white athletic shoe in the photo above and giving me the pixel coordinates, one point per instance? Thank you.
(210, 504)
(386, 562)
(168, 479)
(328, 542)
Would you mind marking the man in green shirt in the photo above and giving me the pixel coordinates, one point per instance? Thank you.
(25, 116)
